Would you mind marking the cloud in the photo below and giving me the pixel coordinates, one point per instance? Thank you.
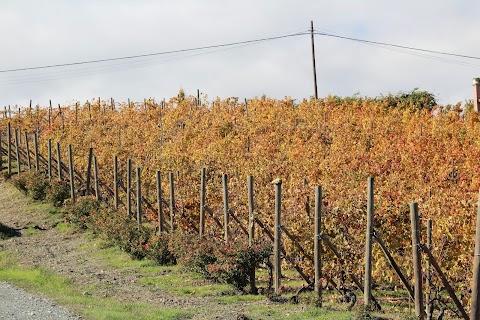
(43, 33)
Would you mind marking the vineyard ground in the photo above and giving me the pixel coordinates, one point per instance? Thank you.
(48, 257)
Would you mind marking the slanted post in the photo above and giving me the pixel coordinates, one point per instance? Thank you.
(172, 200)
(317, 243)
(59, 163)
(201, 228)
(95, 177)
(71, 171)
(368, 246)
(115, 182)
(417, 264)
(27, 147)
(277, 246)
(17, 152)
(9, 149)
(129, 186)
(89, 170)
(49, 162)
(139, 197)
(35, 146)
(161, 219)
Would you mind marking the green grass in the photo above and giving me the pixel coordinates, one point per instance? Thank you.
(287, 312)
(66, 293)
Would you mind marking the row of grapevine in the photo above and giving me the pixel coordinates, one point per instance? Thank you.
(427, 156)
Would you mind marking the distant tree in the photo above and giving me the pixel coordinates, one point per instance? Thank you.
(413, 100)
(181, 95)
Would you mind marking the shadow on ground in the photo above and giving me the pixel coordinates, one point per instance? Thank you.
(7, 232)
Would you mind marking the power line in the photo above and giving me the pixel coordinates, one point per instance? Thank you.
(154, 54)
(57, 75)
(397, 46)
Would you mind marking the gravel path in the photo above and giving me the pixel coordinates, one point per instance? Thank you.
(16, 304)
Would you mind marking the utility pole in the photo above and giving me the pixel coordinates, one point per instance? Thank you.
(313, 60)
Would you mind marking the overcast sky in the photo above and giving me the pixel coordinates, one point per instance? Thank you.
(38, 33)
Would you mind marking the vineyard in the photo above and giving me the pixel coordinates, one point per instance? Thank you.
(430, 156)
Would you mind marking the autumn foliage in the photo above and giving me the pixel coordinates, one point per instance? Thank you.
(426, 155)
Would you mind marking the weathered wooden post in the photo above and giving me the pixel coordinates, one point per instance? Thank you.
(139, 197)
(17, 152)
(115, 182)
(9, 149)
(27, 147)
(76, 112)
(428, 298)
(89, 170)
(49, 162)
(71, 171)
(161, 219)
(251, 210)
(475, 307)
(95, 177)
(368, 246)
(201, 228)
(37, 157)
(59, 163)
(172, 200)
(129, 186)
(317, 245)
(476, 94)
(225, 206)
(277, 246)
(251, 229)
(417, 264)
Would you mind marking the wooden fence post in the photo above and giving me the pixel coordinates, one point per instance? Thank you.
(317, 243)
(115, 182)
(35, 146)
(89, 170)
(95, 177)
(49, 162)
(27, 147)
(225, 206)
(71, 171)
(277, 236)
(367, 293)
(201, 228)
(475, 306)
(139, 197)
(17, 152)
(251, 229)
(172, 200)
(9, 149)
(428, 298)
(251, 208)
(76, 112)
(129, 186)
(59, 163)
(161, 219)
(417, 264)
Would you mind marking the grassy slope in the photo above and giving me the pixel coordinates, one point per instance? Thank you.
(83, 301)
